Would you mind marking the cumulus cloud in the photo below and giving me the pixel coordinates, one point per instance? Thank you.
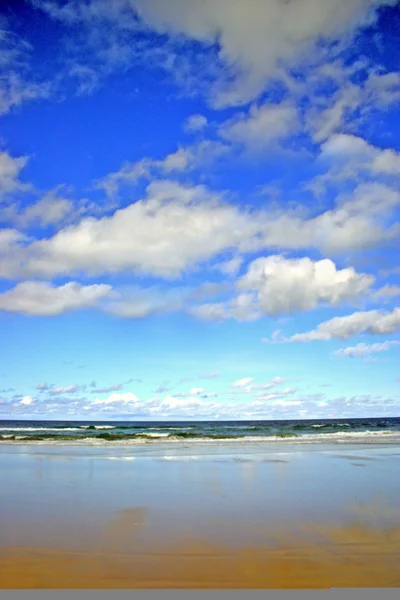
(44, 299)
(176, 227)
(373, 322)
(294, 285)
(362, 349)
(173, 228)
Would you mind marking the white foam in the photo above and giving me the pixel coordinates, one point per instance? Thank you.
(61, 429)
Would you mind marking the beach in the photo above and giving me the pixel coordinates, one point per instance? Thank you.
(286, 515)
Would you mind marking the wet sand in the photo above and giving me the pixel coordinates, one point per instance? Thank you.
(237, 517)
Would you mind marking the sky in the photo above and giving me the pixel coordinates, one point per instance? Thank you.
(199, 209)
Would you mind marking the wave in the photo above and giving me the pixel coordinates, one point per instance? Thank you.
(171, 438)
(39, 428)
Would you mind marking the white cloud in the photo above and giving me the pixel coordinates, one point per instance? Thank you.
(383, 89)
(67, 389)
(246, 386)
(26, 401)
(242, 382)
(358, 220)
(262, 126)
(324, 123)
(135, 303)
(173, 228)
(184, 159)
(387, 291)
(196, 391)
(344, 147)
(43, 386)
(16, 82)
(278, 394)
(49, 210)
(116, 400)
(231, 266)
(107, 390)
(255, 39)
(362, 350)
(286, 403)
(44, 299)
(170, 402)
(284, 286)
(10, 169)
(195, 123)
(15, 90)
(130, 173)
(293, 285)
(210, 312)
(176, 227)
(374, 322)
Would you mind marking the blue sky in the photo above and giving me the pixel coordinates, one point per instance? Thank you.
(199, 209)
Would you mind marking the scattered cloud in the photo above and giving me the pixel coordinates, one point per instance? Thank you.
(210, 375)
(26, 401)
(261, 126)
(43, 386)
(255, 40)
(346, 147)
(106, 390)
(364, 350)
(10, 169)
(230, 267)
(160, 390)
(195, 123)
(196, 391)
(43, 299)
(130, 173)
(387, 291)
(114, 401)
(67, 389)
(176, 227)
(242, 382)
(374, 322)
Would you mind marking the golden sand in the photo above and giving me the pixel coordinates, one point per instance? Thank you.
(354, 556)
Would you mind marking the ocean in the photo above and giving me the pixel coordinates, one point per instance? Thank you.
(200, 432)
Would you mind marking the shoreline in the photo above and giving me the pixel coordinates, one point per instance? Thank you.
(384, 439)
